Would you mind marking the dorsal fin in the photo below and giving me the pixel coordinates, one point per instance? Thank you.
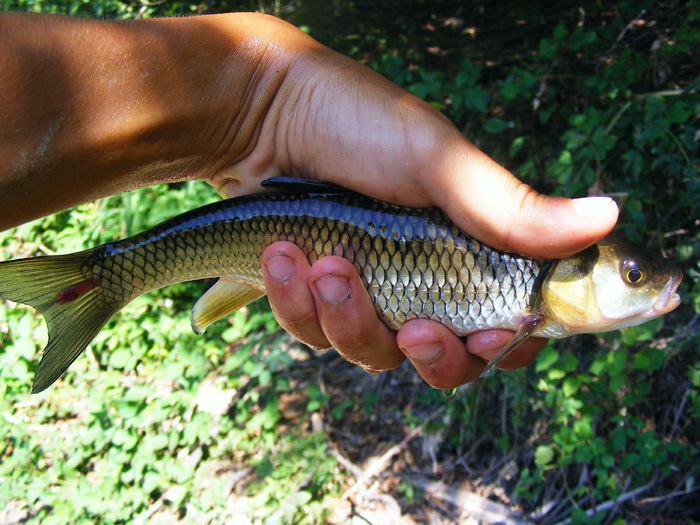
(304, 186)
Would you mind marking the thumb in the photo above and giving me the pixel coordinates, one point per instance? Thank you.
(490, 204)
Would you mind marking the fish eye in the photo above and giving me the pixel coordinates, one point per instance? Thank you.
(632, 272)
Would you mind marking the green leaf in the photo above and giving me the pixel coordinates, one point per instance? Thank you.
(607, 460)
(566, 158)
(643, 332)
(559, 32)
(648, 359)
(316, 398)
(496, 125)
(570, 386)
(138, 393)
(123, 438)
(616, 383)
(151, 481)
(468, 76)
(546, 358)
(25, 347)
(547, 48)
(476, 99)
(158, 442)
(629, 460)
(544, 454)
(679, 112)
(581, 38)
(516, 146)
(338, 411)
(619, 440)
(119, 358)
(127, 409)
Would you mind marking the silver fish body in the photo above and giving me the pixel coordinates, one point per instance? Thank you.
(415, 263)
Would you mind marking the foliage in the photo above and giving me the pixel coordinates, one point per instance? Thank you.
(156, 422)
(144, 419)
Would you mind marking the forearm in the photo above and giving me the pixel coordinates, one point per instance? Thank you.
(93, 108)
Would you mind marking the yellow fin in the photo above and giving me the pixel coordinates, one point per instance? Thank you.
(222, 299)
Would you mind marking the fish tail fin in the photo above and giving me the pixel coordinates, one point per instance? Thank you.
(63, 290)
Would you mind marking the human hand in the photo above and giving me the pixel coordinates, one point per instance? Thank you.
(235, 99)
(337, 121)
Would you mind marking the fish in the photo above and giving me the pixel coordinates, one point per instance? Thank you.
(415, 263)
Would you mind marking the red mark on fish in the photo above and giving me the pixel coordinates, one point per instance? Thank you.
(71, 293)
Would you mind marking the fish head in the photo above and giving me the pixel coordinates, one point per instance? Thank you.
(611, 285)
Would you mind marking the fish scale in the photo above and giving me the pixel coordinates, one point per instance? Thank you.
(415, 263)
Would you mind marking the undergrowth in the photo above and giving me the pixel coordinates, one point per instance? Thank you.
(157, 424)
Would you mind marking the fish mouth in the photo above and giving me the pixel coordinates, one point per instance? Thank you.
(668, 299)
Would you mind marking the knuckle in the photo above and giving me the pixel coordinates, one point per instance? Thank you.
(303, 326)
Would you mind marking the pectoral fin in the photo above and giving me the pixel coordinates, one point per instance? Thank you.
(222, 299)
(528, 326)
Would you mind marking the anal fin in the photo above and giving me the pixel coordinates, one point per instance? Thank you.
(222, 299)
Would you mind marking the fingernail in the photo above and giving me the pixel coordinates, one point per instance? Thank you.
(425, 353)
(590, 207)
(333, 289)
(279, 266)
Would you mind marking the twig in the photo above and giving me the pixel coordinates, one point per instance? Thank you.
(657, 499)
(624, 32)
(380, 464)
(346, 463)
(390, 504)
(660, 344)
(616, 507)
(655, 94)
(461, 460)
(470, 505)
(613, 503)
(679, 411)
